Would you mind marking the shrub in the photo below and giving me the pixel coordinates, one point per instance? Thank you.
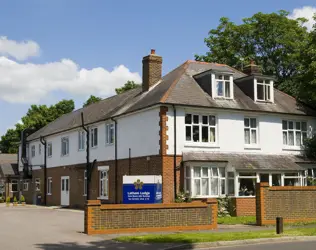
(22, 198)
(8, 200)
(183, 197)
(15, 200)
(225, 206)
(1, 200)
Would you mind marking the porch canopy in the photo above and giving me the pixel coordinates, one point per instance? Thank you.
(249, 162)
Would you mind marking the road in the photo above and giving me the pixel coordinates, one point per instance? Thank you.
(30, 228)
(302, 245)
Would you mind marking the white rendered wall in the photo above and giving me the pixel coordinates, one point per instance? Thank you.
(230, 132)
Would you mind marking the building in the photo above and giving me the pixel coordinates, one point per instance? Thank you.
(9, 176)
(206, 128)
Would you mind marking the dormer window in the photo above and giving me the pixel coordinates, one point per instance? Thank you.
(223, 86)
(264, 90)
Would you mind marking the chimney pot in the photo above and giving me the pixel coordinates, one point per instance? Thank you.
(153, 51)
(252, 69)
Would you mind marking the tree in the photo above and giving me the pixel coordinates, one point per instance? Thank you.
(127, 86)
(36, 117)
(92, 99)
(272, 40)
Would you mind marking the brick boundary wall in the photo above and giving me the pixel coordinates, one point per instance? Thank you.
(244, 206)
(294, 204)
(126, 218)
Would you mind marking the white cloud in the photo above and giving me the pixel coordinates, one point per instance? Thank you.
(31, 83)
(307, 12)
(18, 50)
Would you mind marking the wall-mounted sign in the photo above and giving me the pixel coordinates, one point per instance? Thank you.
(142, 189)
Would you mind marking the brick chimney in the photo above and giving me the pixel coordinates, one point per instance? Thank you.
(252, 69)
(152, 70)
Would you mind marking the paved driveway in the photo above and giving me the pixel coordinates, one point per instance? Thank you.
(45, 228)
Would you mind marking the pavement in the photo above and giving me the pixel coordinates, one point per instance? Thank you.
(32, 227)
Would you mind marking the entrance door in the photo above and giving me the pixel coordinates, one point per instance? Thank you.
(64, 197)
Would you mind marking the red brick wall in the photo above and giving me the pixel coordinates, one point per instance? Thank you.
(109, 219)
(244, 206)
(292, 203)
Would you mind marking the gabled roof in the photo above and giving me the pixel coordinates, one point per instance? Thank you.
(8, 165)
(177, 87)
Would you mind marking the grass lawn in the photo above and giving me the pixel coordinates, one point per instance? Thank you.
(212, 237)
(245, 220)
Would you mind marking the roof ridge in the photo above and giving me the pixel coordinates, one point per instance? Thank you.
(174, 83)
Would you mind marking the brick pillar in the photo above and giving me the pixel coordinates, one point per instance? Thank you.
(89, 215)
(213, 206)
(260, 188)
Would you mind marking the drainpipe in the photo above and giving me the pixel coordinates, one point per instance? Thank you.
(43, 141)
(86, 129)
(116, 165)
(175, 149)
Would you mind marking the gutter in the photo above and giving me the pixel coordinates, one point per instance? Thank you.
(175, 149)
(86, 129)
(43, 141)
(116, 162)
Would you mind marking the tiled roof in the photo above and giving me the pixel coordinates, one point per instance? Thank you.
(248, 161)
(177, 87)
(8, 158)
(8, 165)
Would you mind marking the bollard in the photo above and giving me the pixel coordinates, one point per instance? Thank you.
(279, 225)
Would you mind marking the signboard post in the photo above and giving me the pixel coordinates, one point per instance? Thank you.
(142, 189)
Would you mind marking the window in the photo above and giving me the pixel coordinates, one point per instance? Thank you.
(294, 132)
(223, 86)
(33, 151)
(251, 131)
(64, 146)
(276, 179)
(104, 183)
(81, 140)
(231, 183)
(14, 186)
(37, 184)
(25, 185)
(49, 149)
(85, 183)
(200, 128)
(109, 133)
(311, 177)
(205, 181)
(94, 137)
(263, 90)
(292, 179)
(39, 149)
(49, 185)
(247, 184)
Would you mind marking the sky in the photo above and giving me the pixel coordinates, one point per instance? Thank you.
(55, 49)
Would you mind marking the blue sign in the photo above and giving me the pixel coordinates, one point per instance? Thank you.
(145, 189)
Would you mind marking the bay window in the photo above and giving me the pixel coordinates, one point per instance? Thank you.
(294, 132)
(247, 184)
(292, 179)
(200, 128)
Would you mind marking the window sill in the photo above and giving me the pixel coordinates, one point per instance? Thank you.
(245, 197)
(223, 98)
(109, 144)
(81, 149)
(201, 145)
(64, 155)
(293, 148)
(48, 194)
(49, 156)
(103, 198)
(263, 101)
(94, 147)
(84, 195)
(252, 147)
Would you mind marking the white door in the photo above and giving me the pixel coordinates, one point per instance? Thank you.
(65, 186)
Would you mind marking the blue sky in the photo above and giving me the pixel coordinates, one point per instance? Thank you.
(55, 49)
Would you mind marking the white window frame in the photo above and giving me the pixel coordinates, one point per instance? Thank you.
(109, 134)
(37, 182)
(103, 182)
(209, 178)
(85, 183)
(49, 185)
(251, 129)
(312, 177)
(216, 78)
(49, 149)
(81, 140)
(201, 125)
(39, 148)
(294, 130)
(33, 151)
(266, 84)
(64, 146)
(94, 142)
(15, 183)
(255, 177)
(25, 185)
